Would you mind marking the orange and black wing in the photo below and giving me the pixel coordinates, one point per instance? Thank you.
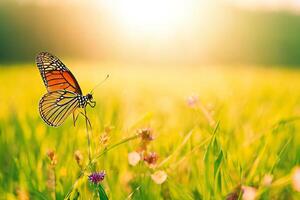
(56, 106)
(55, 74)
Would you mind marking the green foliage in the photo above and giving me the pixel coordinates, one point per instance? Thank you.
(256, 134)
(101, 192)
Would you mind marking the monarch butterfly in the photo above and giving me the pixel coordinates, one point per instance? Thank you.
(64, 93)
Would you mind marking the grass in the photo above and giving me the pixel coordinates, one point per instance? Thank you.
(254, 134)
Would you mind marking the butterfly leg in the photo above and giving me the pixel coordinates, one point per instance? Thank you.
(75, 117)
(92, 103)
(90, 125)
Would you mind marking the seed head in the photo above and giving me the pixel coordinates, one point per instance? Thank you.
(52, 156)
(108, 129)
(146, 137)
(234, 195)
(104, 138)
(78, 157)
(146, 134)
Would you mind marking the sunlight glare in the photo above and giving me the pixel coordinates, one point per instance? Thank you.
(152, 17)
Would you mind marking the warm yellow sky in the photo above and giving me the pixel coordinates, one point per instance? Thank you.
(267, 4)
(177, 31)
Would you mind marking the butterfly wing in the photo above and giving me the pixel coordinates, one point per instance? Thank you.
(56, 106)
(55, 74)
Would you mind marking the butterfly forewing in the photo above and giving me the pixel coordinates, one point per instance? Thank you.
(56, 106)
(55, 74)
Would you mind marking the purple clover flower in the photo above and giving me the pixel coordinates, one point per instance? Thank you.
(151, 158)
(97, 177)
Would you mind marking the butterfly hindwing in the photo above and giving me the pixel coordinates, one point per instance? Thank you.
(56, 106)
(55, 74)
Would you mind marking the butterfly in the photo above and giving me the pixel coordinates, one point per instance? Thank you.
(64, 95)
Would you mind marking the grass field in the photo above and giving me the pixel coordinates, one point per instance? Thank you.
(240, 137)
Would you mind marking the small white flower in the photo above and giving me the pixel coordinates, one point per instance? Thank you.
(192, 101)
(159, 177)
(296, 179)
(249, 193)
(267, 180)
(134, 158)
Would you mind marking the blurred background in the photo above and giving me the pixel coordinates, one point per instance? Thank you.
(177, 67)
(190, 32)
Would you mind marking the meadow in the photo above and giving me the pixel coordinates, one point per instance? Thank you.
(219, 132)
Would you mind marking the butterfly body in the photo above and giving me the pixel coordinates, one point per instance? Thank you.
(64, 93)
(83, 100)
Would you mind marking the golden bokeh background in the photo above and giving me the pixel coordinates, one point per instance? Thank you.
(216, 81)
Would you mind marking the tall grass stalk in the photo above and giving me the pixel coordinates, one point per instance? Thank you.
(95, 159)
(88, 135)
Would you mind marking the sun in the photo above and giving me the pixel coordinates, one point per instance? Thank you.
(151, 16)
(157, 17)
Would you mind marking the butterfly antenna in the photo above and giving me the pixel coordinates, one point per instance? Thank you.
(107, 76)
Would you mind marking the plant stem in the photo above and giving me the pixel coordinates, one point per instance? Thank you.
(54, 185)
(110, 148)
(94, 160)
(88, 136)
